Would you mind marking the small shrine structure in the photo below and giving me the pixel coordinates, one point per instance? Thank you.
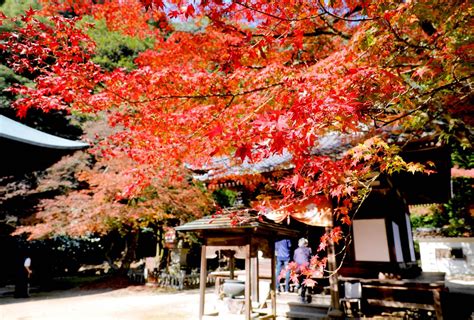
(248, 235)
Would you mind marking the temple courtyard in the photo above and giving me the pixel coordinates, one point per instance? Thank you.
(119, 300)
(135, 302)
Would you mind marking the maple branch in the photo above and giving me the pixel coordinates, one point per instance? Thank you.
(337, 32)
(317, 32)
(431, 94)
(217, 115)
(275, 16)
(256, 110)
(345, 248)
(202, 96)
(326, 11)
(405, 41)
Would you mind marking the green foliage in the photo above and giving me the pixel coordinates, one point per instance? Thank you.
(453, 219)
(115, 50)
(463, 157)
(224, 197)
(457, 209)
(64, 252)
(12, 8)
(7, 79)
(435, 219)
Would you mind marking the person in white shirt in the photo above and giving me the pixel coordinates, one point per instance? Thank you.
(22, 281)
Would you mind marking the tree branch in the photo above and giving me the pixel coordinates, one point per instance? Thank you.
(275, 16)
(201, 96)
(431, 94)
(228, 104)
(344, 18)
(405, 41)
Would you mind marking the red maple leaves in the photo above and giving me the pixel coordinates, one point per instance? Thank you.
(256, 78)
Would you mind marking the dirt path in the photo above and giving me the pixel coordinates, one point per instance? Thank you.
(137, 303)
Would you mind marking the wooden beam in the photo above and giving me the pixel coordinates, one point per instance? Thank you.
(231, 267)
(223, 239)
(202, 282)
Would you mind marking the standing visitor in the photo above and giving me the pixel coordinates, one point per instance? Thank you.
(282, 253)
(301, 257)
(23, 276)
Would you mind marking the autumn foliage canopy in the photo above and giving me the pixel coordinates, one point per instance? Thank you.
(252, 78)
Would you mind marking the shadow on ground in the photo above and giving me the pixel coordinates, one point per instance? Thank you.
(76, 286)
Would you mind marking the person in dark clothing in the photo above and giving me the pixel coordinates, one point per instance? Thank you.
(302, 257)
(22, 279)
(282, 253)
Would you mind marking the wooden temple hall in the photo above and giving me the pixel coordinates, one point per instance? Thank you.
(377, 271)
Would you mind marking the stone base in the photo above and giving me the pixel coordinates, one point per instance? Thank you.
(235, 305)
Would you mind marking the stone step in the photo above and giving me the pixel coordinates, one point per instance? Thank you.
(308, 307)
(301, 315)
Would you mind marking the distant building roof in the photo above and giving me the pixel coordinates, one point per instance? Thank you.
(333, 144)
(12, 130)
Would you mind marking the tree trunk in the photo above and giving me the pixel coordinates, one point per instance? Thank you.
(130, 250)
(109, 259)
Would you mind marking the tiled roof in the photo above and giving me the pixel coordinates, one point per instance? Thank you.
(333, 144)
(222, 167)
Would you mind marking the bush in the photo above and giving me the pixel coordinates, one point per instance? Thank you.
(453, 219)
(225, 197)
(115, 50)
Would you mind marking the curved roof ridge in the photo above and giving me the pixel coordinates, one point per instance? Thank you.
(13, 130)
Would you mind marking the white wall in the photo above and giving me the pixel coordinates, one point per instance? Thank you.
(370, 240)
(431, 263)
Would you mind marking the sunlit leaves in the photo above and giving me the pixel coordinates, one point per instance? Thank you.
(259, 78)
(106, 205)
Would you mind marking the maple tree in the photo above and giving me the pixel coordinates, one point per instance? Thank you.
(101, 207)
(94, 200)
(254, 78)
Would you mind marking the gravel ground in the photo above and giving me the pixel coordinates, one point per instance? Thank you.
(137, 303)
(129, 303)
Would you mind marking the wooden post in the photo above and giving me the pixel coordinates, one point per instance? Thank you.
(255, 276)
(232, 264)
(437, 304)
(335, 310)
(273, 283)
(203, 282)
(248, 302)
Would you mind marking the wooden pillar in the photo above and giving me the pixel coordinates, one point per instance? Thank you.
(248, 302)
(255, 276)
(437, 304)
(333, 278)
(202, 282)
(273, 284)
(231, 264)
